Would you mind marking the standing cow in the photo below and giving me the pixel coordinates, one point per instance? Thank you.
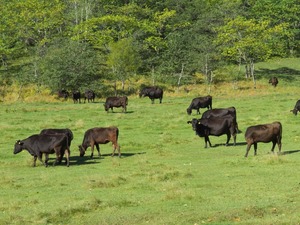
(76, 96)
(100, 135)
(273, 81)
(200, 102)
(112, 102)
(65, 131)
(263, 133)
(215, 126)
(40, 144)
(63, 94)
(296, 108)
(89, 95)
(153, 93)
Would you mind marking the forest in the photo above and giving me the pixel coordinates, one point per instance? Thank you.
(79, 44)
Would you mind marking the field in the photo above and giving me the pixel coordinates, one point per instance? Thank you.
(165, 175)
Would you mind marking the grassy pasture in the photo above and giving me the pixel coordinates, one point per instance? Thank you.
(165, 175)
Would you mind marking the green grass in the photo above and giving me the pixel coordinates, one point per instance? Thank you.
(165, 175)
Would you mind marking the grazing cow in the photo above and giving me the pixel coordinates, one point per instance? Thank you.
(200, 102)
(100, 135)
(273, 81)
(66, 131)
(89, 95)
(63, 94)
(296, 108)
(264, 133)
(215, 126)
(38, 144)
(116, 102)
(76, 96)
(152, 93)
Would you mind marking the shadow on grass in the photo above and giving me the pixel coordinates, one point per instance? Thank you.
(284, 73)
(124, 155)
(288, 152)
(230, 144)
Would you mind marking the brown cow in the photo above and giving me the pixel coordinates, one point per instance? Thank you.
(112, 102)
(273, 81)
(264, 133)
(100, 135)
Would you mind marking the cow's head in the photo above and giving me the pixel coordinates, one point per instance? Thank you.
(106, 107)
(18, 146)
(81, 150)
(295, 111)
(194, 123)
(189, 111)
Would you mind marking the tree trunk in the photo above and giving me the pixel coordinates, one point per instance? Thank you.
(252, 73)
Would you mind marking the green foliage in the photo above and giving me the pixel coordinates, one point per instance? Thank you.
(69, 65)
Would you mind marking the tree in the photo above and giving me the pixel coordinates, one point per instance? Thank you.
(69, 65)
(249, 41)
(123, 60)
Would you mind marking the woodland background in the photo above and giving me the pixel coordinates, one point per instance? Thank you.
(96, 44)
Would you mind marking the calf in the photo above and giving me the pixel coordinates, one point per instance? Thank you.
(200, 102)
(38, 144)
(89, 95)
(116, 102)
(215, 126)
(100, 135)
(263, 133)
(153, 93)
(296, 108)
(273, 81)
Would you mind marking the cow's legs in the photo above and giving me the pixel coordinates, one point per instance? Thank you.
(98, 149)
(92, 150)
(46, 158)
(228, 138)
(207, 140)
(160, 100)
(273, 146)
(116, 146)
(67, 155)
(255, 148)
(34, 160)
(248, 149)
(152, 100)
(198, 111)
(234, 139)
(39, 155)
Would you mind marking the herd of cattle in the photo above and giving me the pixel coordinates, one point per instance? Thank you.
(213, 122)
(58, 141)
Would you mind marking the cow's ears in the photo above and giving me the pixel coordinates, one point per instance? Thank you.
(189, 121)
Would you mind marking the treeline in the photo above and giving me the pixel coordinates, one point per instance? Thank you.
(64, 44)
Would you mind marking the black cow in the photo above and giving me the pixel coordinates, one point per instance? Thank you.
(153, 93)
(66, 131)
(200, 102)
(116, 102)
(296, 108)
(273, 81)
(264, 133)
(38, 144)
(89, 95)
(76, 96)
(221, 112)
(100, 135)
(63, 94)
(215, 126)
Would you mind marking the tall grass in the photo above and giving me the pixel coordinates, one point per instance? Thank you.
(165, 175)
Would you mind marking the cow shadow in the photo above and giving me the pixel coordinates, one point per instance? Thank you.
(230, 144)
(123, 155)
(288, 152)
(85, 160)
